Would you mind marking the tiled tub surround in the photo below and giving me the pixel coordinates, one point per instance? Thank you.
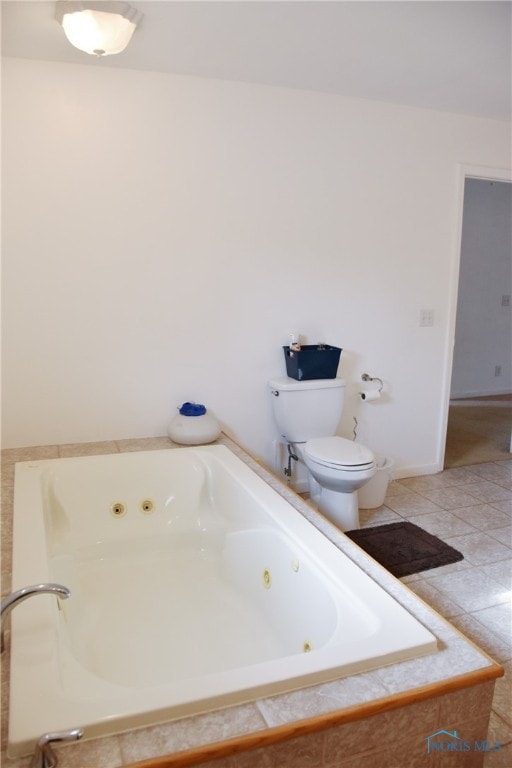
(385, 716)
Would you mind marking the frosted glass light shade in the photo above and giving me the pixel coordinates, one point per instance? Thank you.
(98, 28)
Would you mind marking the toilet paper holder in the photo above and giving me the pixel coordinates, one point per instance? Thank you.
(367, 377)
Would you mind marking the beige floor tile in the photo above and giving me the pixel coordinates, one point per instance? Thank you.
(479, 548)
(499, 730)
(451, 498)
(487, 491)
(495, 471)
(497, 618)
(500, 572)
(444, 523)
(396, 488)
(426, 482)
(502, 701)
(482, 516)
(471, 589)
(499, 473)
(503, 506)
(497, 648)
(438, 600)
(379, 516)
(503, 535)
(501, 758)
(459, 475)
(410, 504)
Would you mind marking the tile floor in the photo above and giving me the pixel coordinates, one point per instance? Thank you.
(471, 509)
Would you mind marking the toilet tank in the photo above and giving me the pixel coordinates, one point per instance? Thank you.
(307, 409)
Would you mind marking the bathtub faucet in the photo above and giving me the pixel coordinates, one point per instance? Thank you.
(44, 756)
(9, 602)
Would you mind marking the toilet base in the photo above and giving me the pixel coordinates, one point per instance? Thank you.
(340, 508)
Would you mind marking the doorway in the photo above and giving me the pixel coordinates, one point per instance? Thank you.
(479, 422)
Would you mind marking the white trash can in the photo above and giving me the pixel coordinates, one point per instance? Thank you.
(372, 494)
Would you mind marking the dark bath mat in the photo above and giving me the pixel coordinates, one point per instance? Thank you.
(404, 548)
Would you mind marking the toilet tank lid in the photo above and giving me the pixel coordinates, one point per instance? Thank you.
(287, 383)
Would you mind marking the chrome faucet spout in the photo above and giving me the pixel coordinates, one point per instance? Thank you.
(44, 756)
(9, 602)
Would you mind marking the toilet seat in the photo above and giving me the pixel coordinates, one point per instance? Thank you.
(339, 453)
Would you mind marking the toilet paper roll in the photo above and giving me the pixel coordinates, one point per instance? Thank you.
(370, 394)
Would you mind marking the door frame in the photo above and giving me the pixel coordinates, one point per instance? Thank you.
(463, 172)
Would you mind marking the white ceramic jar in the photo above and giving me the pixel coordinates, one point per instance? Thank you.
(193, 425)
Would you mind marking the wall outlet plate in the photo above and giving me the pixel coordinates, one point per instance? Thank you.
(426, 317)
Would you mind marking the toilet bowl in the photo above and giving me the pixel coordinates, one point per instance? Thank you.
(337, 469)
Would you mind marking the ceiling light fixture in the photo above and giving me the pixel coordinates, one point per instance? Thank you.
(98, 28)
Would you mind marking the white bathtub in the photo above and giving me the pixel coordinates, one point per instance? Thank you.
(220, 593)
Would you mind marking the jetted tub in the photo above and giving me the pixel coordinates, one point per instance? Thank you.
(194, 585)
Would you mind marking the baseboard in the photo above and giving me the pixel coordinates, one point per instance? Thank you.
(469, 394)
(399, 473)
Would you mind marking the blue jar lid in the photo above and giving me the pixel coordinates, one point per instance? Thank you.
(192, 409)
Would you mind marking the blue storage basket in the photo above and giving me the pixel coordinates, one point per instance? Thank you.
(312, 361)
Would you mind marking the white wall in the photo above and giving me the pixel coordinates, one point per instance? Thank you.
(164, 234)
(483, 333)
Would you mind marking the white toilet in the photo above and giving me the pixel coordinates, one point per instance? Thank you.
(307, 414)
